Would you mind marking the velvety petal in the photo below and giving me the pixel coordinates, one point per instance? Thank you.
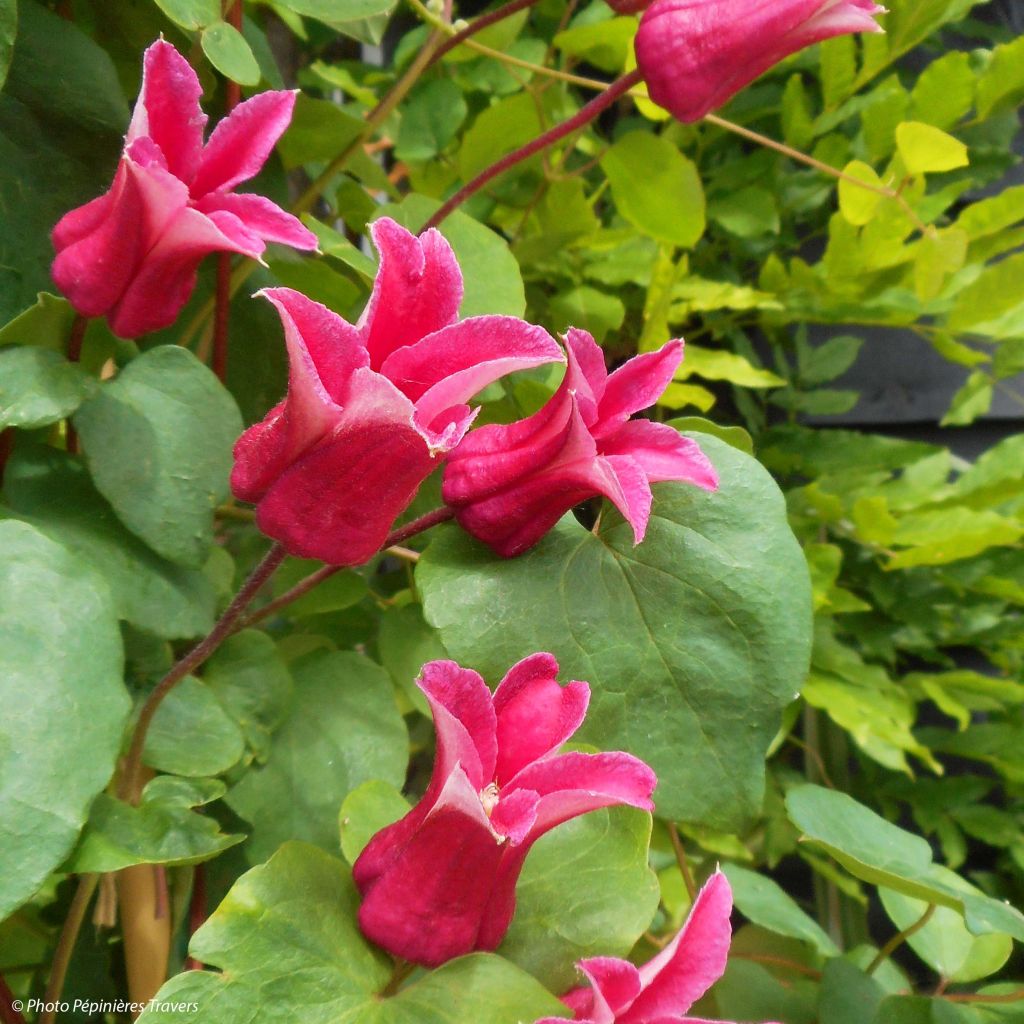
(449, 366)
(633, 496)
(695, 54)
(261, 216)
(168, 110)
(662, 452)
(311, 411)
(100, 245)
(494, 457)
(692, 962)
(464, 721)
(330, 342)
(417, 290)
(573, 784)
(614, 983)
(515, 815)
(242, 239)
(339, 500)
(635, 385)
(586, 374)
(242, 141)
(163, 283)
(535, 715)
(426, 906)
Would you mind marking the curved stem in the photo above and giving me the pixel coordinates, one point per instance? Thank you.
(130, 787)
(586, 114)
(325, 572)
(477, 25)
(1016, 996)
(898, 939)
(66, 946)
(682, 860)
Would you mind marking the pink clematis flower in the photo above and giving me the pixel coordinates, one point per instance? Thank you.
(441, 882)
(510, 484)
(694, 55)
(132, 254)
(664, 989)
(370, 408)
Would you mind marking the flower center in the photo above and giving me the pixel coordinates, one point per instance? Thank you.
(489, 798)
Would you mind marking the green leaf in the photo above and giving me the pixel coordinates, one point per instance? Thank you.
(191, 14)
(735, 436)
(876, 851)
(592, 310)
(819, 364)
(364, 812)
(765, 903)
(944, 943)
(586, 890)
(718, 670)
(192, 734)
(497, 130)
(161, 830)
(336, 11)
(226, 49)
(606, 44)
(406, 643)
(944, 91)
(52, 490)
(430, 120)
(856, 203)
(342, 729)
(39, 386)
(252, 683)
(319, 131)
(925, 148)
(158, 442)
(718, 364)
(493, 283)
(8, 31)
(747, 213)
(287, 946)
(63, 700)
(996, 292)
(1002, 82)
(946, 535)
(656, 188)
(848, 995)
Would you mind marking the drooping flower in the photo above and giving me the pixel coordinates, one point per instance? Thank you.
(371, 408)
(440, 882)
(694, 55)
(509, 484)
(132, 254)
(664, 989)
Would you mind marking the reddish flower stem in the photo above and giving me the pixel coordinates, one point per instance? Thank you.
(66, 945)
(586, 114)
(477, 24)
(222, 302)
(314, 579)
(75, 339)
(8, 1014)
(130, 787)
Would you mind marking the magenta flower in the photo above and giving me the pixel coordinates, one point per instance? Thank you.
(510, 484)
(132, 254)
(370, 408)
(441, 881)
(694, 55)
(664, 989)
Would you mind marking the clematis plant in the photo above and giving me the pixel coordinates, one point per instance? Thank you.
(664, 989)
(132, 254)
(509, 484)
(372, 408)
(441, 881)
(695, 55)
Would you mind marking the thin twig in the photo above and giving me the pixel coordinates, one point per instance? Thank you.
(682, 860)
(8, 1014)
(778, 961)
(130, 787)
(899, 938)
(196, 912)
(66, 946)
(1016, 996)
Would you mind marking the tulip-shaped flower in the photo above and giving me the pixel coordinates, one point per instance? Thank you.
(694, 55)
(664, 989)
(441, 881)
(510, 484)
(132, 254)
(371, 408)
